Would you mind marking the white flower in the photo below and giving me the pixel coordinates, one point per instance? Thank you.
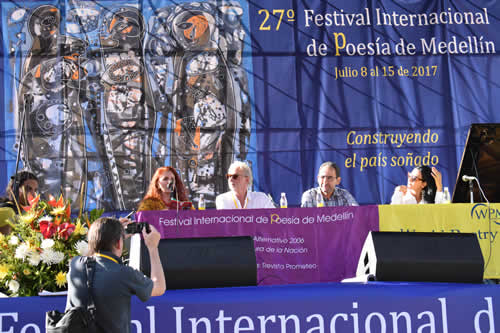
(34, 259)
(58, 257)
(13, 286)
(45, 218)
(50, 257)
(23, 251)
(82, 247)
(47, 243)
(14, 240)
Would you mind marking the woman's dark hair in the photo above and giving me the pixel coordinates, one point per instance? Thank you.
(429, 191)
(104, 233)
(15, 183)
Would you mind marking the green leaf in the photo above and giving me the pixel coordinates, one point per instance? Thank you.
(95, 214)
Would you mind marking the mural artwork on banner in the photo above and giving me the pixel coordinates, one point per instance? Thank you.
(103, 93)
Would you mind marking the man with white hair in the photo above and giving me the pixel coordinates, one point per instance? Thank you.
(240, 180)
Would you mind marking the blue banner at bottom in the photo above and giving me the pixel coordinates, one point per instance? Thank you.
(310, 308)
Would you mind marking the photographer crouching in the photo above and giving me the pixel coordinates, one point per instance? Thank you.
(113, 283)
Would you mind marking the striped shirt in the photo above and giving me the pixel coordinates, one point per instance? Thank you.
(340, 197)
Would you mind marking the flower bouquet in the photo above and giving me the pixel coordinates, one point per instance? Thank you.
(35, 256)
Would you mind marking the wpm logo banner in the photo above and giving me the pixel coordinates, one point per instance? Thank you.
(484, 213)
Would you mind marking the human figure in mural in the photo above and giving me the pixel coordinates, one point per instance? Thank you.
(51, 134)
(57, 95)
(127, 120)
(194, 54)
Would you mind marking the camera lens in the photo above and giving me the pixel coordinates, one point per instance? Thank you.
(136, 227)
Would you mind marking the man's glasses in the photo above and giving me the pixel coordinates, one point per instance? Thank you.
(328, 178)
(233, 176)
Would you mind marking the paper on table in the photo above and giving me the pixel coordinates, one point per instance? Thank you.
(53, 293)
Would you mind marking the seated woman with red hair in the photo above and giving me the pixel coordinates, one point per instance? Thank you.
(166, 191)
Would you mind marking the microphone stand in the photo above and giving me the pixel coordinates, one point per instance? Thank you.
(173, 188)
(177, 211)
(21, 134)
(471, 189)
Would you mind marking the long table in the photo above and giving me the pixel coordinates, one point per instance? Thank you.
(307, 308)
(309, 245)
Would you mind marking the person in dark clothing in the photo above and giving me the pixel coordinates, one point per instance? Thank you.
(21, 186)
(114, 283)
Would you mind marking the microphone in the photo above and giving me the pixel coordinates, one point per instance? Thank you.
(466, 178)
(171, 185)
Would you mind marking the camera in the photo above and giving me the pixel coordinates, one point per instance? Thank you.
(136, 227)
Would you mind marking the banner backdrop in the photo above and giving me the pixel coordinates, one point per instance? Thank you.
(98, 94)
(377, 86)
(322, 308)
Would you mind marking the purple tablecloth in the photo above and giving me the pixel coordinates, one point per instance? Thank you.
(294, 245)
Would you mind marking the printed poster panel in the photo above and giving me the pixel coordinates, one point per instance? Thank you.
(480, 219)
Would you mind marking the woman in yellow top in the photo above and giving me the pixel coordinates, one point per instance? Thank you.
(165, 191)
(20, 187)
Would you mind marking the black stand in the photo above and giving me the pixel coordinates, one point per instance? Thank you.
(21, 134)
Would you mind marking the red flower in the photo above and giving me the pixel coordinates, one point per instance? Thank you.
(56, 203)
(68, 211)
(60, 209)
(47, 228)
(57, 220)
(33, 202)
(65, 230)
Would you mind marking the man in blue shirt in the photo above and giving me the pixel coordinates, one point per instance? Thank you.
(114, 283)
(328, 194)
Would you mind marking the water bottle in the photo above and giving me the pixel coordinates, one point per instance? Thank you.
(283, 201)
(201, 202)
(447, 198)
(319, 200)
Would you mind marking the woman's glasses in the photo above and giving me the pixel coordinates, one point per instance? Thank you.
(414, 178)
